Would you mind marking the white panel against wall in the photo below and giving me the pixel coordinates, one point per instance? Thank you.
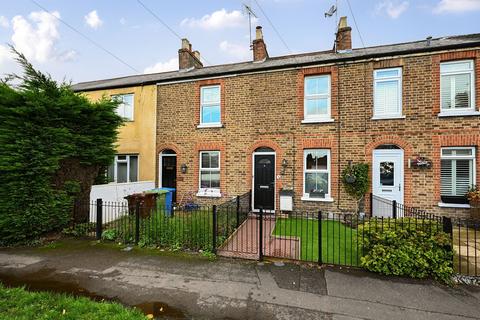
(116, 192)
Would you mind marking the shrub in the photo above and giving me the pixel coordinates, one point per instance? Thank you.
(110, 234)
(53, 143)
(407, 247)
(355, 182)
(80, 229)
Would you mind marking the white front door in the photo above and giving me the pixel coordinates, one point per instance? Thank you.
(387, 179)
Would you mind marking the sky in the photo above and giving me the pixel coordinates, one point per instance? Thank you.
(218, 29)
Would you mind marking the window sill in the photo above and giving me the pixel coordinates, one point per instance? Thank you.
(213, 125)
(459, 114)
(387, 117)
(453, 205)
(317, 199)
(317, 120)
(209, 194)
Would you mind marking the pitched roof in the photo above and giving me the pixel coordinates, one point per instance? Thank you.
(452, 42)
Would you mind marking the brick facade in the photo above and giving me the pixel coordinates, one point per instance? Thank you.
(265, 109)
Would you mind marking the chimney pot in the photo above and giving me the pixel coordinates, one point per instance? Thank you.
(343, 41)
(186, 44)
(196, 53)
(260, 52)
(258, 33)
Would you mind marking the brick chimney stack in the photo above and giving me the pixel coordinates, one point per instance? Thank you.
(259, 47)
(343, 42)
(188, 59)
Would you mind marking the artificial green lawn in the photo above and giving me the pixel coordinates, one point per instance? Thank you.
(18, 304)
(339, 242)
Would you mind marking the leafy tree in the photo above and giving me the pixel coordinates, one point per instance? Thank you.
(53, 143)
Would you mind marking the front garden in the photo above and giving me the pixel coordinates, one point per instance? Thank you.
(339, 241)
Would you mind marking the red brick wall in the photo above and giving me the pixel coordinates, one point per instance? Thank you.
(266, 109)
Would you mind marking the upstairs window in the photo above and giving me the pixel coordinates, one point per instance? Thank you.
(210, 105)
(125, 108)
(457, 86)
(209, 173)
(457, 173)
(317, 98)
(316, 174)
(124, 169)
(387, 93)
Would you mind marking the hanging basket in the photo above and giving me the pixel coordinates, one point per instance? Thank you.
(350, 178)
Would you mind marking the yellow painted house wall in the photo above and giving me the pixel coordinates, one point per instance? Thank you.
(137, 136)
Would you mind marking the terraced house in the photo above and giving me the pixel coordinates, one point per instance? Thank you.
(293, 123)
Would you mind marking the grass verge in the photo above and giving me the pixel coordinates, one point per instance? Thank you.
(19, 304)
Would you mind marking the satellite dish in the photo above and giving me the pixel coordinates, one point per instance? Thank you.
(331, 11)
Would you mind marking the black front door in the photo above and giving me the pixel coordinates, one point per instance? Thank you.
(264, 181)
(169, 172)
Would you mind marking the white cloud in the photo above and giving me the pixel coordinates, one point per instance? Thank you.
(93, 20)
(237, 51)
(218, 19)
(456, 6)
(36, 42)
(123, 21)
(5, 55)
(169, 65)
(392, 8)
(4, 22)
(67, 56)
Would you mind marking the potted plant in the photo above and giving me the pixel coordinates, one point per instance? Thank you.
(473, 196)
(355, 181)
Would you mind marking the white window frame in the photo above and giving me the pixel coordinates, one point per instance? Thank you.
(459, 157)
(120, 97)
(127, 161)
(202, 104)
(471, 110)
(208, 192)
(376, 80)
(317, 118)
(306, 196)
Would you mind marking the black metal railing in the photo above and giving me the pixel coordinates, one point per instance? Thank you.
(466, 245)
(187, 227)
(387, 208)
(331, 238)
(231, 229)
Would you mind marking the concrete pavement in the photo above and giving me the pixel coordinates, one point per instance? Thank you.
(233, 289)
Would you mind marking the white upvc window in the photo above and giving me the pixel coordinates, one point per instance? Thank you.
(126, 107)
(457, 87)
(387, 90)
(210, 106)
(209, 174)
(317, 99)
(457, 173)
(316, 175)
(123, 169)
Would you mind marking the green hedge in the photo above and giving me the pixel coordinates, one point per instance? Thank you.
(53, 143)
(18, 304)
(410, 247)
